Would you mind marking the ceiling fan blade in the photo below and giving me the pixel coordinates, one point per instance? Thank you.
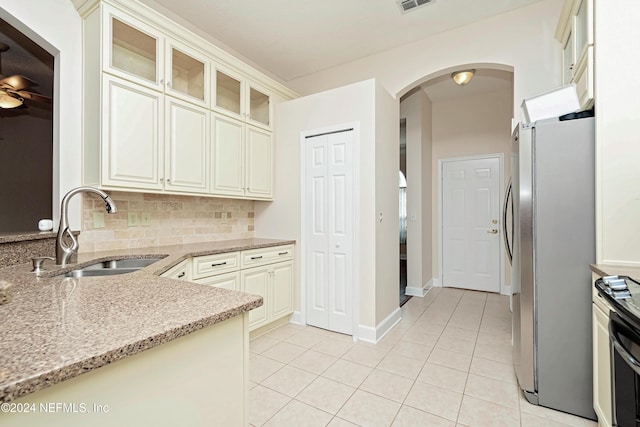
(18, 82)
(33, 96)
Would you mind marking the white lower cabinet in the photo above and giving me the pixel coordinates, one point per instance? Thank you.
(274, 282)
(256, 281)
(601, 360)
(229, 281)
(180, 271)
(267, 272)
(282, 289)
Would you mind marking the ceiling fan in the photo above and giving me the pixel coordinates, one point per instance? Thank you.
(15, 89)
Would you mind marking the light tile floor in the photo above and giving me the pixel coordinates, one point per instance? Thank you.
(447, 363)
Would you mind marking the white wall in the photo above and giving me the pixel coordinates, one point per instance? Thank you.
(617, 106)
(61, 35)
(417, 110)
(466, 126)
(353, 104)
(521, 41)
(387, 143)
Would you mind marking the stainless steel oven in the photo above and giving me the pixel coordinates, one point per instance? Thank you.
(624, 333)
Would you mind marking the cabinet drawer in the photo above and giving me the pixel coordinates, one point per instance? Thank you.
(179, 271)
(263, 256)
(210, 265)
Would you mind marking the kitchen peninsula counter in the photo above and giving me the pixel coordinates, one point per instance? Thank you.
(56, 328)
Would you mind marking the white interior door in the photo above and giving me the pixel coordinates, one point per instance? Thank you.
(471, 224)
(329, 231)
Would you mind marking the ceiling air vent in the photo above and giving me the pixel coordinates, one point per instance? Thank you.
(410, 5)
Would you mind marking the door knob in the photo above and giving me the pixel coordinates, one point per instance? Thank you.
(337, 245)
(493, 231)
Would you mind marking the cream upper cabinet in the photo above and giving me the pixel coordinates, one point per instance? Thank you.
(187, 74)
(242, 159)
(568, 60)
(187, 147)
(575, 32)
(131, 114)
(241, 99)
(133, 49)
(259, 163)
(258, 106)
(166, 111)
(227, 156)
(228, 93)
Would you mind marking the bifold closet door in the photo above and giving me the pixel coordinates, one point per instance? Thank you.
(329, 230)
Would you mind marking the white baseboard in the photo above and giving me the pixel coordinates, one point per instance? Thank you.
(436, 282)
(420, 292)
(506, 290)
(296, 318)
(374, 335)
(415, 292)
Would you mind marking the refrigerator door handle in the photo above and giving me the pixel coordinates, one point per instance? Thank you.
(508, 194)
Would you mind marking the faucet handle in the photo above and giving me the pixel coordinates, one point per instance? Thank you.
(38, 262)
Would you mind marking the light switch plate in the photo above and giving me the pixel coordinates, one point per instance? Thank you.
(145, 219)
(98, 220)
(223, 217)
(134, 219)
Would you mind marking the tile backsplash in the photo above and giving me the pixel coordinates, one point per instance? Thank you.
(170, 220)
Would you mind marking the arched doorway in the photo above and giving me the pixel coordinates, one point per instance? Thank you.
(446, 121)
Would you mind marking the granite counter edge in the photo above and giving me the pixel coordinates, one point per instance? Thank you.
(30, 385)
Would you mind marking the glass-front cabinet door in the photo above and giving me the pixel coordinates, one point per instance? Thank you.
(259, 111)
(227, 97)
(187, 74)
(133, 50)
(568, 62)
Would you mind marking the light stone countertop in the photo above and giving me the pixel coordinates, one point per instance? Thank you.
(616, 270)
(56, 328)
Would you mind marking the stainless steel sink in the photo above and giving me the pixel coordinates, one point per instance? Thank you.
(112, 267)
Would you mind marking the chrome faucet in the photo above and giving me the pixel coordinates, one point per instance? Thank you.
(66, 249)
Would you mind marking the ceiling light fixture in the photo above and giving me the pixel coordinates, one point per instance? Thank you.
(463, 77)
(13, 89)
(8, 101)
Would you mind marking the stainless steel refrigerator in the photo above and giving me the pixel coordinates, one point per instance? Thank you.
(553, 181)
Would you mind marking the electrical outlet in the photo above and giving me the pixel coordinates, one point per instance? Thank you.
(223, 217)
(145, 219)
(98, 220)
(134, 219)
